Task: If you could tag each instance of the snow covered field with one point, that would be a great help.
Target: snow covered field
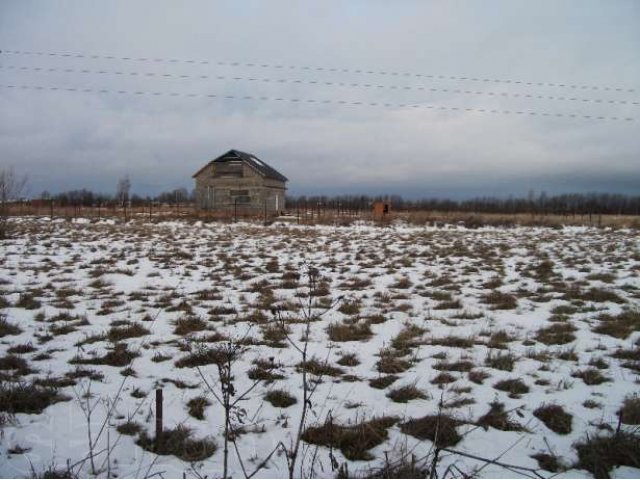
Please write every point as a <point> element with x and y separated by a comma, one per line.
<point>504,344</point>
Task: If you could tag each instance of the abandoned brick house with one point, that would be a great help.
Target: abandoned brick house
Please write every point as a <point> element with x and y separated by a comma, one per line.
<point>240,182</point>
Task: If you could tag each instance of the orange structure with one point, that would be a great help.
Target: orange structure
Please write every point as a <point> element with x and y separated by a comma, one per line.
<point>381,210</point>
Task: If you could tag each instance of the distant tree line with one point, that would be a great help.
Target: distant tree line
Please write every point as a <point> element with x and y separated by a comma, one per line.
<point>534,204</point>
<point>88,198</point>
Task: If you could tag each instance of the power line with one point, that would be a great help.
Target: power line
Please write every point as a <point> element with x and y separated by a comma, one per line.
<point>315,83</point>
<point>321,69</point>
<point>315,101</point>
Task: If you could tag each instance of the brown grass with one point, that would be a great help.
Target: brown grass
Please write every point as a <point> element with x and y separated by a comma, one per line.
<point>499,419</point>
<point>349,332</point>
<point>319,368</point>
<point>556,334</point>
<point>590,376</point>
<point>178,442</point>
<point>117,356</point>
<point>406,393</point>
<point>599,454</point>
<point>382,382</point>
<point>630,411</point>
<point>23,397</point>
<point>354,441</point>
<point>280,398</point>
<point>440,429</point>
<point>555,418</point>
<point>514,386</point>
<point>196,407</point>
<point>619,326</point>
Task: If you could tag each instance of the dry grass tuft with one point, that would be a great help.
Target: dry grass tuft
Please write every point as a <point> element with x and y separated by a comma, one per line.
<point>354,441</point>
<point>500,301</point>
<point>118,356</point>
<point>7,328</point>
<point>25,397</point>
<point>556,334</point>
<point>188,324</point>
<point>440,429</point>
<point>319,368</point>
<point>619,326</point>
<point>280,398</point>
<point>499,419</point>
<point>196,407</point>
<point>178,442</point>
<point>591,376</point>
<point>514,386</point>
<point>599,454</point>
<point>382,382</point>
<point>630,411</point>
<point>128,330</point>
<point>349,332</point>
<point>406,393</point>
<point>555,418</point>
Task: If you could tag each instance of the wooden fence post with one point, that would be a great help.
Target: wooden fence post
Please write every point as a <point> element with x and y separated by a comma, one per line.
<point>158,416</point>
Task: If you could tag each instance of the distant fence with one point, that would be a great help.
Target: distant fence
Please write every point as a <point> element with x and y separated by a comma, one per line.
<point>310,213</point>
<point>301,213</point>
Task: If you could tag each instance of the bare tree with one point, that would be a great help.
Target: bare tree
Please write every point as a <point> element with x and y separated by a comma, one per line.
<point>11,187</point>
<point>122,192</point>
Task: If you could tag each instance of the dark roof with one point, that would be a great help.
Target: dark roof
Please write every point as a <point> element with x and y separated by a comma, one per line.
<point>254,162</point>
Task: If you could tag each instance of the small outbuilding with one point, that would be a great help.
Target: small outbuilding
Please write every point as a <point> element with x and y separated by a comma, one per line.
<point>240,182</point>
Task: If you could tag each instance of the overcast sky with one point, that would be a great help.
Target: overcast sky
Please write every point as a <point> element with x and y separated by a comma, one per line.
<point>582,54</point>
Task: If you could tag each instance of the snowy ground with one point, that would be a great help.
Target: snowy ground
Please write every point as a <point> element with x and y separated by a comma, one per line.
<point>450,311</point>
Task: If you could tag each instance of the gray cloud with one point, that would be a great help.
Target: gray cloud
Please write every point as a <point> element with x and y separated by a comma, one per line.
<point>73,140</point>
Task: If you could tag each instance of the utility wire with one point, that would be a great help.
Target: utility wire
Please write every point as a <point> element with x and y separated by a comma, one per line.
<point>314,101</point>
<point>320,69</point>
<point>313,82</point>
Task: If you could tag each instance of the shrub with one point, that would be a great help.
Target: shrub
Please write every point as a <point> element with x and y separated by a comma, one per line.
<point>555,418</point>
